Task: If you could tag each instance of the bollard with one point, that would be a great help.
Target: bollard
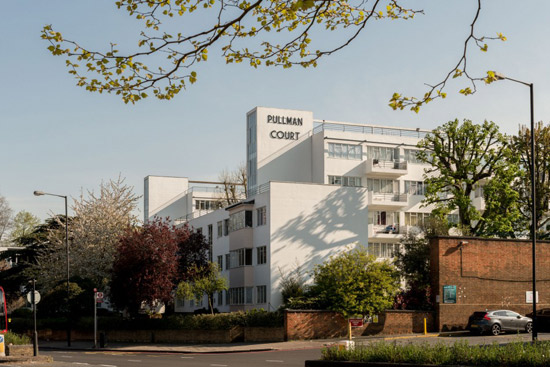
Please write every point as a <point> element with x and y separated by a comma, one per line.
<point>102,340</point>
<point>425,327</point>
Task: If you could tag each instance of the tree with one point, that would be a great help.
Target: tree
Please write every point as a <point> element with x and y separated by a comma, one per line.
<point>24,224</point>
<point>207,282</point>
<point>234,185</point>
<point>242,31</point>
<point>5,216</point>
<point>145,266</point>
<point>354,283</point>
<point>464,157</point>
<point>151,260</point>
<point>522,148</point>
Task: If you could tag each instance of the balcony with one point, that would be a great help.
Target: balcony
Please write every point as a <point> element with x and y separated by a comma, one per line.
<point>381,231</point>
<point>378,200</point>
<point>377,168</point>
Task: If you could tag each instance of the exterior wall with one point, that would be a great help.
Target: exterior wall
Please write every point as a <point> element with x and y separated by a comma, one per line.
<point>283,146</point>
<point>220,246</point>
<point>303,324</point>
<point>311,222</point>
<point>161,194</point>
<point>488,274</point>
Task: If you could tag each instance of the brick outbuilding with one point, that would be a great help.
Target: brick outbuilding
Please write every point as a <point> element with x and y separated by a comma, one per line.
<point>474,274</point>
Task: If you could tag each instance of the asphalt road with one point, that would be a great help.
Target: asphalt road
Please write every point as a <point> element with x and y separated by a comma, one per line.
<point>123,359</point>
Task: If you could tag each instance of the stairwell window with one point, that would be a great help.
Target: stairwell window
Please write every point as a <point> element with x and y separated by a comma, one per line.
<point>261,216</point>
<point>261,253</point>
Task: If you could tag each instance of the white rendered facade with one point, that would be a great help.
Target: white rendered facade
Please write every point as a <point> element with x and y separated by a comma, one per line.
<point>315,189</point>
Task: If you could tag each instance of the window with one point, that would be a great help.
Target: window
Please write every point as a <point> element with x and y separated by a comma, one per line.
<point>479,191</point>
<point>236,296</point>
<point>199,230</point>
<point>344,181</point>
<point>207,205</point>
<point>261,216</point>
<point>220,229</point>
<point>240,220</point>
<point>192,303</point>
<point>249,294</point>
<point>383,250</point>
<point>384,186</point>
<point>180,302</point>
<point>410,156</point>
<point>261,296</point>
<point>453,219</point>
<point>345,151</point>
<point>240,257</point>
<point>225,227</point>
<point>382,153</point>
<point>227,297</point>
<point>227,261</point>
<point>261,253</point>
<point>416,219</point>
<point>241,295</point>
<point>210,235</point>
<point>383,218</point>
<point>415,188</point>
<point>220,298</point>
<point>220,262</point>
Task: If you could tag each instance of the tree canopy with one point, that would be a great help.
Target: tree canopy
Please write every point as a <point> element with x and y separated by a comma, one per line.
<point>100,218</point>
<point>465,157</point>
<point>281,33</point>
<point>207,282</point>
<point>354,283</point>
<point>5,216</point>
<point>151,260</point>
<point>522,148</point>
<point>24,224</point>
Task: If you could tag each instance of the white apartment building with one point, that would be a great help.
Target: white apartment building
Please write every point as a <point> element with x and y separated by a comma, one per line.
<point>315,188</point>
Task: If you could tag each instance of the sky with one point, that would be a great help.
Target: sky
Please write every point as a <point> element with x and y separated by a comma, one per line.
<point>59,138</point>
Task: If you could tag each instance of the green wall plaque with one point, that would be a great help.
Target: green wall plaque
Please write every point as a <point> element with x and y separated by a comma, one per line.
<point>449,294</point>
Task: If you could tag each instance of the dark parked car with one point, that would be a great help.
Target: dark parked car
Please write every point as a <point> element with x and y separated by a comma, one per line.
<point>543,319</point>
<point>498,321</point>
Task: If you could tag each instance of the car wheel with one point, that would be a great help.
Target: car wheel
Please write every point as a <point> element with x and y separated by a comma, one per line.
<point>495,329</point>
<point>529,327</point>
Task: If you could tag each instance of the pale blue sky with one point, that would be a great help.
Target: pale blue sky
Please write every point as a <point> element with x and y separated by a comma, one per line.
<point>59,138</point>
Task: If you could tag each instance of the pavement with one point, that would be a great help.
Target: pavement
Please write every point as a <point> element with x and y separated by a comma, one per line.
<point>449,337</point>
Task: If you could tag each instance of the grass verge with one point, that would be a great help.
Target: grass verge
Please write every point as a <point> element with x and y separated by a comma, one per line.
<point>460,353</point>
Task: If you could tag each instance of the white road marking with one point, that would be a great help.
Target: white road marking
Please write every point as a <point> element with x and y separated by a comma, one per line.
<point>108,365</point>
<point>66,356</point>
<point>81,363</point>
<point>274,360</point>
<point>134,360</point>
<point>218,365</point>
<point>187,357</point>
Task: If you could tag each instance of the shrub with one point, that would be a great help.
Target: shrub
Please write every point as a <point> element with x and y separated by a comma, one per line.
<point>16,339</point>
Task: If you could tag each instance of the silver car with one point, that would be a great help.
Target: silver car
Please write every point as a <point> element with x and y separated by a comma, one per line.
<point>498,321</point>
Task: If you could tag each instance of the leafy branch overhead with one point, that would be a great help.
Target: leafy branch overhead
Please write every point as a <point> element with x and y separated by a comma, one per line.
<point>241,30</point>
<point>460,69</point>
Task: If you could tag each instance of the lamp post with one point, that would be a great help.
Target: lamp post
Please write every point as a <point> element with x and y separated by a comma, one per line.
<point>499,76</point>
<point>40,193</point>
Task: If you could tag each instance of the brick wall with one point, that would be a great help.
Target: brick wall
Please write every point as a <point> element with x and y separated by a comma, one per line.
<point>488,274</point>
<point>305,324</point>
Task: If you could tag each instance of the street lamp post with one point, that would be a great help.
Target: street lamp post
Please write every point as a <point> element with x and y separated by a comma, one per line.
<point>499,76</point>
<point>40,193</point>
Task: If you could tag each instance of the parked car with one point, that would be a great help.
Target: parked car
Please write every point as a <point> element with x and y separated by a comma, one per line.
<point>498,321</point>
<point>543,319</point>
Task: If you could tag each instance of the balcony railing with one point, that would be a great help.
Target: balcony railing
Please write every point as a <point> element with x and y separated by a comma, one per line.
<point>378,196</point>
<point>387,229</point>
<point>389,164</point>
